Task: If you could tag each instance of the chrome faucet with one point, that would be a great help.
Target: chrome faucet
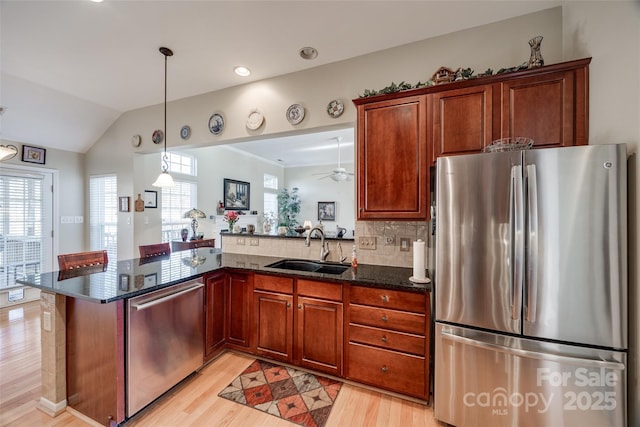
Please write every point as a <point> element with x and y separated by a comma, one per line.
<point>324,246</point>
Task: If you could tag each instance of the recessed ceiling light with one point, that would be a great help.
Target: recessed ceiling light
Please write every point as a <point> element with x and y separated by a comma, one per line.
<point>242,71</point>
<point>308,52</point>
<point>97,1</point>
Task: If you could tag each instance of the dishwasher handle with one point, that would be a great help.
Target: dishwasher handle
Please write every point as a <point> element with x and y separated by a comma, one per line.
<point>165,298</point>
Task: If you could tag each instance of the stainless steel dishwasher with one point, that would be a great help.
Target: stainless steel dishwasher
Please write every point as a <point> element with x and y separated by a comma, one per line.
<point>164,341</point>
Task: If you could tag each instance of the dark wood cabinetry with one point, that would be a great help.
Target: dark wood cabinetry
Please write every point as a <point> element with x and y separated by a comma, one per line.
<point>388,340</point>
<point>273,326</point>
<point>239,292</point>
<point>179,245</point>
<point>393,176</point>
<point>214,314</point>
<point>319,326</point>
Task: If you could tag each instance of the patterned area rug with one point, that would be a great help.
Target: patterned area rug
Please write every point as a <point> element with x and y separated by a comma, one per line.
<point>287,393</point>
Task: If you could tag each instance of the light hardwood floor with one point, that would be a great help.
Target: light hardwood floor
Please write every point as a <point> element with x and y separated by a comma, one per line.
<point>193,403</point>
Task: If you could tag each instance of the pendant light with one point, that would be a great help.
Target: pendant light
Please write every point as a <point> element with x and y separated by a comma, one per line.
<point>7,152</point>
<point>165,180</point>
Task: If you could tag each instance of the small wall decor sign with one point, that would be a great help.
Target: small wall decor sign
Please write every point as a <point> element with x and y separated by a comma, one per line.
<point>33,154</point>
<point>123,204</point>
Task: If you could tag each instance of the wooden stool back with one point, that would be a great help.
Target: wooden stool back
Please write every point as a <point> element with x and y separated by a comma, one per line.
<point>154,250</point>
<point>82,260</point>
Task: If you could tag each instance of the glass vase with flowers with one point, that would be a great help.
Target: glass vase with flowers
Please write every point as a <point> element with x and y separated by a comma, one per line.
<point>231,218</point>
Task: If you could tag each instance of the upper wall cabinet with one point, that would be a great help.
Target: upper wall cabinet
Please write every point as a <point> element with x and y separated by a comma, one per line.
<point>392,159</point>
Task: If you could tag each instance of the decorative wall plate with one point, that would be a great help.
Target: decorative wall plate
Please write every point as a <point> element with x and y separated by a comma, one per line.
<point>216,123</point>
<point>185,132</point>
<point>157,136</point>
<point>255,119</point>
<point>295,114</point>
<point>136,140</point>
<point>335,108</point>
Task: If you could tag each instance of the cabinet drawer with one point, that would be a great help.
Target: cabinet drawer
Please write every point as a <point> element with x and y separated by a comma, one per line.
<point>399,372</point>
<point>408,301</point>
<point>385,338</point>
<point>387,319</point>
<point>273,283</point>
<point>323,290</point>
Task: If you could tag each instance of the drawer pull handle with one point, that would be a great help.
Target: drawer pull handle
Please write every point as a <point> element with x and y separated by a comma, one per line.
<point>384,369</point>
<point>384,318</point>
<point>385,298</point>
<point>384,339</point>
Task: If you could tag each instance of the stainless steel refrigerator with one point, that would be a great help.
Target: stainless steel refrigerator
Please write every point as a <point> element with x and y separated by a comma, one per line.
<point>531,288</point>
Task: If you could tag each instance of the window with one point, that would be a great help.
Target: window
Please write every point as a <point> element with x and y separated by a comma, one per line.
<point>179,163</point>
<point>21,226</point>
<point>103,214</point>
<point>175,202</point>
<point>270,204</point>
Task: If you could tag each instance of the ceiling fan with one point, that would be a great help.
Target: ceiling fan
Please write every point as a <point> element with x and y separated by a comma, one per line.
<point>339,173</point>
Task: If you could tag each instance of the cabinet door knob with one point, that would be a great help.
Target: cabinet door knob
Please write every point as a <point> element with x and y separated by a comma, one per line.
<point>384,369</point>
<point>384,339</point>
<point>384,318</point>
<point>385,298</point>
<point>288,304</point>
<point>299,306</point>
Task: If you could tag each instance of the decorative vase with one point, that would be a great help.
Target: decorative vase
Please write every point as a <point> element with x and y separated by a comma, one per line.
<point>536,59</point>
<point>237,228</point>
<point>282,230</point>
<point>251,228</point>
<point>266,228</point>
<point>184,233</point>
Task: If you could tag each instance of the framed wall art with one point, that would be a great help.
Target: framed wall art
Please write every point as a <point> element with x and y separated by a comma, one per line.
<point>327,211</point>
<point>236,195</point>
<point>150,199</point>
<point>123,204</point>
<point>33,154</point>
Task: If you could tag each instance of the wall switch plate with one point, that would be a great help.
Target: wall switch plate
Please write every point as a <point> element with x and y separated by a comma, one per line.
<point>240,241</point>
<point>367,242</point>
<point>79,219</point>
<point>390,240</point>
<point>405,244</point>
<point>254,242</point>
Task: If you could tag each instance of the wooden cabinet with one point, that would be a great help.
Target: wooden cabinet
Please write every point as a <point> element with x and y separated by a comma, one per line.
<point>300,324</point>
<point>214,314</point>
<point>462,120</point>
<point>273,325</point>
<point>319,326</point>
<point>551,108</point>
<point>239,290</point>
<point>388,340</point>
<point>179,245</point>
<point>393,175</point>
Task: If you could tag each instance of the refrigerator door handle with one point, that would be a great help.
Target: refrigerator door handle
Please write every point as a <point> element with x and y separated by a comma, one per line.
<point>516,245</point>
<point>532,236</point>
<point>592,363</point>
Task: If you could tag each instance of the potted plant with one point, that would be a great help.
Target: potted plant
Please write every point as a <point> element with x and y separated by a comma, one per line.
<point>288,208</point>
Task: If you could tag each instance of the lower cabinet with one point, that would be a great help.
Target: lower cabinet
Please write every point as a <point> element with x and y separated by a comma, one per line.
<point>388,340</point>
<point>214,314</point>
<point>299,324</point>
<point>238,297</point>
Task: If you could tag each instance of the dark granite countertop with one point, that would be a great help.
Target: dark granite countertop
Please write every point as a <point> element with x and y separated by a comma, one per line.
<point>130,278</point>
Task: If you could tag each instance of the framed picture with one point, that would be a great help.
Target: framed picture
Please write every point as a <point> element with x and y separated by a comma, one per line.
<point>150,199</point>
<point>236,195</point>
<point>33,154</point>
<point>150,280</point>
<point>123,282</point>
<point>327,211</point>
<point>123,204</point>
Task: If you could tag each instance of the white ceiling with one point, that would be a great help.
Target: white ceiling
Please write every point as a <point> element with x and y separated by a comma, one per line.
<point>69,68</point>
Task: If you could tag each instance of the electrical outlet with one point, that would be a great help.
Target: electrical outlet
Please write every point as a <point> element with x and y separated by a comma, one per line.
<point>390,240</point>
<point>254,242</point>
<point>367,242</point>
<point>404,244</point>
<point>240,241</point>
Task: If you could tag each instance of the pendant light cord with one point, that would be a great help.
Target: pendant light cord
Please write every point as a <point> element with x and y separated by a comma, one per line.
<point>165,159</point>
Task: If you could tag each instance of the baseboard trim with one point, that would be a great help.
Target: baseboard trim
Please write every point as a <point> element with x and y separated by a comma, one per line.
<point>50,408</point>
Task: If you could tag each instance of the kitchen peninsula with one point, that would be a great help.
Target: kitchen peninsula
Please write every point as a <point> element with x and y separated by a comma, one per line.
<point>361,302</point>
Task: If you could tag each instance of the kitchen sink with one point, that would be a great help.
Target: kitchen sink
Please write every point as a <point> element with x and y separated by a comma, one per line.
<point>311,266</point>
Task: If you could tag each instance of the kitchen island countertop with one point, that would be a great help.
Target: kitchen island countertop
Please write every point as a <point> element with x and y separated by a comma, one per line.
<point>130,278</point>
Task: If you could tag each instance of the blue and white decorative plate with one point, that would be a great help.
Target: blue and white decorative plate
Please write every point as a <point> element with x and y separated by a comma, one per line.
<point>216,123</point>
<point>295,114</point>
<point>157,137</point>
<point>185,132</point>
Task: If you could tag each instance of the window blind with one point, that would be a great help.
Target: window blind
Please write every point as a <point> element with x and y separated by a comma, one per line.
<point>103,214</point>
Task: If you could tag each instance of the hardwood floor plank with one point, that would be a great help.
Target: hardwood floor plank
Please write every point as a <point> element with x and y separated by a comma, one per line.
<point>195,402</point>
